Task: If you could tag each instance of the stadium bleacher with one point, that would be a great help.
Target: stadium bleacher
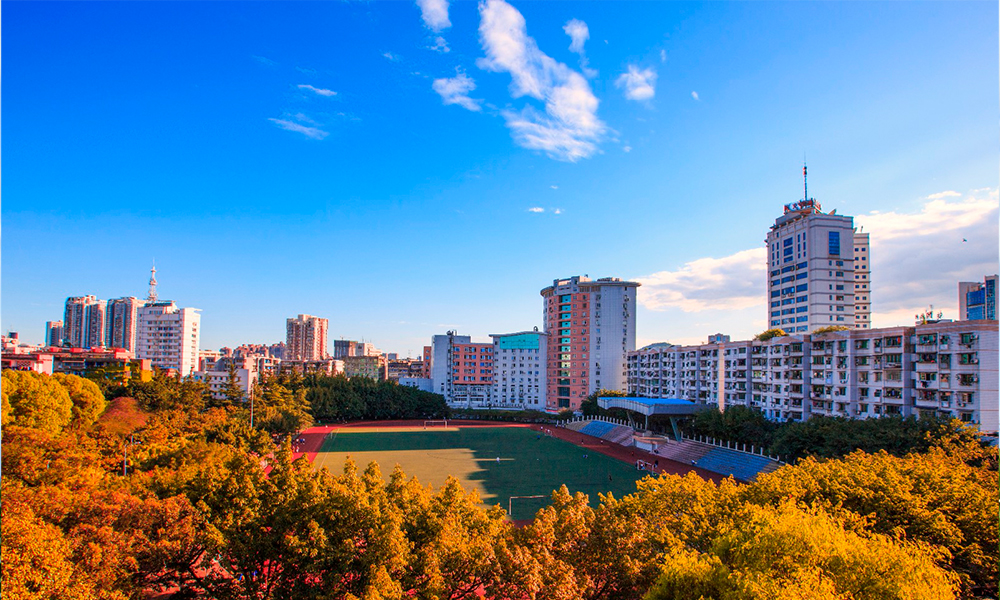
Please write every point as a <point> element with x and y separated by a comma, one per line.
<point>741,465</point>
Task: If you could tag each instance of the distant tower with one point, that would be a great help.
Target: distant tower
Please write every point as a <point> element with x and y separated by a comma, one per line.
<point>152,286</point>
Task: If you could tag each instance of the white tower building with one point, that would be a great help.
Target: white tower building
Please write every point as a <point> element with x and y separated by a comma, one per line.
<point>169,336</point>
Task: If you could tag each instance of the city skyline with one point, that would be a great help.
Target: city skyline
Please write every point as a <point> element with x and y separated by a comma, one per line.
<point>415,203</point>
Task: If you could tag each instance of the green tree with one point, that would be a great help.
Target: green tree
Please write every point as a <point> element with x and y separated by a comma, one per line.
<point>232,393</point>
<point>281,410</point>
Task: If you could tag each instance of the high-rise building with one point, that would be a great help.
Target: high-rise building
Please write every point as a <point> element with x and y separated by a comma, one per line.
<point>978,300</point>
<point>862,281</point>
<point>53,333</point>
<point>590,327</point>
<point>306,338</point>
<point>519,369</point>
<point>816,273</point>
<point>121,320</point>
<point>462,371</point>
<point>169,336</point>
<point>83,322</point>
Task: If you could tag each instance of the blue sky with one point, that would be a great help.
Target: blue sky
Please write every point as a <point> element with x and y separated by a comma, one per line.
<point>404,169</point>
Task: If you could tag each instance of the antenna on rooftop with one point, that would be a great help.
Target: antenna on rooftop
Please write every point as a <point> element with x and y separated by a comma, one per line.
<point>805,181</point>
<point>152,284</point>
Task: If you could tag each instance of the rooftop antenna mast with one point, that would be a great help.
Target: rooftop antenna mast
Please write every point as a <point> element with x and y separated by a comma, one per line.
<point>805,181</point>
<point>152,285</point>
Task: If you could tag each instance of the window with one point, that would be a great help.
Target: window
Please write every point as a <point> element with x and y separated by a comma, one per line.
<point>834,240</point>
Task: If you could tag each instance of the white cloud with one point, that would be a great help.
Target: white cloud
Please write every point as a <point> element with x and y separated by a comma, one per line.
<point>391,56</point>
<point>440,45</point>
<point>316,90</point>
<point>455,90</point>
<point>435,14</point>
<point>627,148</point>
<point>946,194</point>
<point>663,56</point>
<point>732,282</point>
<point>555,187</point>
<point>695,95</point>
<point>579,34</point>
<point>557,211</point>
<point>569,129</point>
<point>638,84</point>
<point>536,209</point>
<point>918,258</point>
<point>311,132</point>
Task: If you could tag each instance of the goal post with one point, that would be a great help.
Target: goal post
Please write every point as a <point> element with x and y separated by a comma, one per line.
<point>436,423</point>
<point>644,465</point>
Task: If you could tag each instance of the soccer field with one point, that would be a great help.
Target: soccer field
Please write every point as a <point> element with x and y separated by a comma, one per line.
<point>529,463</point>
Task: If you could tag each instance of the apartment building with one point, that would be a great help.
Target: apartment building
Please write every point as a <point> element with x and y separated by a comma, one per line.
<point>169,336</point>
<point>372,367</point>
<point>519,370</point>
<point>216,375</point>
<point>53,333</point>
<point>978,300</point>
<point>818,270</point>
<point>121,322</point>
<point>306,338</point>
<point>83,321</point>
<point>462,371</point>
<point>944,368</point>
<point>591,328</point>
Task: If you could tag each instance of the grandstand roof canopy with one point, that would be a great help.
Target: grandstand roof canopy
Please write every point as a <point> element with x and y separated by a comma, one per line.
<point>673,407</point>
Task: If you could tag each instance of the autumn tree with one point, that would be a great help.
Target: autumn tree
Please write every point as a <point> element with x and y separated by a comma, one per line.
<point>36,400</point>
<point>88,400</point>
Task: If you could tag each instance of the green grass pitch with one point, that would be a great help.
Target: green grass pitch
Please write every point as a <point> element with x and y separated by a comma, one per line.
<point>529,464</point>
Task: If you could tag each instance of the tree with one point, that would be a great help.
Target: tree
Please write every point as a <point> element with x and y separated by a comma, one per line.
<point>36,400</point>
<point>232,392</point>
<point>88,400</point>
<point>829,329</point>
<point>932,498</point>
<point>590,406</point>
<point>280,410</point>
<point>785,552</point>
<point>770,333</point>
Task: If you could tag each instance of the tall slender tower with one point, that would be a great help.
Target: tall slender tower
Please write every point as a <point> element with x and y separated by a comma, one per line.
<point>152,286</point>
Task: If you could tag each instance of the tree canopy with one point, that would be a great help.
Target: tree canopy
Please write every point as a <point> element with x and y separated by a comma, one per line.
<point>211,507</point>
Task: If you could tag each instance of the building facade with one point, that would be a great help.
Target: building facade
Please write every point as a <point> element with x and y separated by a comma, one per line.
<point>372,367</point>
<point>817,268</point>
<point>519,370</point>
<point>121,322</point>
<point>53,333</point>
<point>83,322</point>
<point>978,300</point>
<point>591,327</point>
<point>306,338</point>
<point>462,371</point>
<point>169,336</point>
<point>943,368</point>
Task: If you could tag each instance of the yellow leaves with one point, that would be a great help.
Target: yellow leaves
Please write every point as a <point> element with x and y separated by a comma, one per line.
<point>36,401</point>
<point>784,552</point>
